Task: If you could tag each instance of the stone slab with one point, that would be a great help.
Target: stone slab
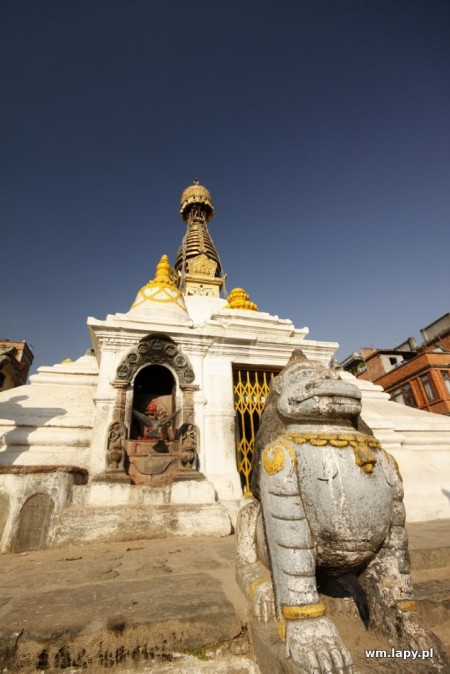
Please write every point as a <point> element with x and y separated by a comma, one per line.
<point>79,524</point>
<point>110,604</point>
<point>194,598</point>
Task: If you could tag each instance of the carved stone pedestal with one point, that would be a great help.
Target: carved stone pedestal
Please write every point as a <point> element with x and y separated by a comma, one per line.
<point>188,475</point>
<point>117,475</point>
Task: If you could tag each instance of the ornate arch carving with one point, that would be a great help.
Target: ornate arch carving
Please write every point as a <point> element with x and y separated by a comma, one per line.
<point>156,349</point>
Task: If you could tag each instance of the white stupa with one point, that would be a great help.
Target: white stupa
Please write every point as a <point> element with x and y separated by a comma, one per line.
<point>73,453</point>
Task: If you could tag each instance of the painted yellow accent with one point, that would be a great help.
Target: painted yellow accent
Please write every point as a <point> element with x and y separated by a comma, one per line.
<point>163,295</point>
<point>274,456</point>
<point>66,361</point>
<point>239,299</point>
<point>254,585</point>
<point>251,388</point>
<point>362,445</point>
<point>407,605</point>
<point>281,627</point>
<point>303,612</point>
<point>273,459</point>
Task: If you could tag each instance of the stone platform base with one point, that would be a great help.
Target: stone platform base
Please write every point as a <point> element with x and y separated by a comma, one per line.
<point>53,506</point>
<point>86,524</point>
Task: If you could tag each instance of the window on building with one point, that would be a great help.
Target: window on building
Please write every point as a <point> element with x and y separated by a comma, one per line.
<point>428,387</point>
<point>445,374</point>
<point>404,395</point>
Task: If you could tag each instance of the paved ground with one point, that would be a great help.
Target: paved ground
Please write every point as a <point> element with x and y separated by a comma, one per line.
<point>135,604</point>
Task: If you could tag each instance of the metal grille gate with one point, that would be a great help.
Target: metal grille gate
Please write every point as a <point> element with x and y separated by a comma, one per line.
<point>251,387</point>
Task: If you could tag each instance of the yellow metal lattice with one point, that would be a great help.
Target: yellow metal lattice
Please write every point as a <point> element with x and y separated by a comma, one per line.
<point>251,388</point>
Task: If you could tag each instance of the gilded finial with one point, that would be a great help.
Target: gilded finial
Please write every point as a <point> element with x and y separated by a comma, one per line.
<point>196,195</point>
<point>164,275</point>
<point>239,299</point>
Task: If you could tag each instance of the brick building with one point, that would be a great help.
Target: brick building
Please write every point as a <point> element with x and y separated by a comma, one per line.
<point>418,376</point>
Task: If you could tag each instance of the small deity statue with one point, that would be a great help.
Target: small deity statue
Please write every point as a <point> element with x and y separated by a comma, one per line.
<point>154,422</point>
<point>331,501</point>
<point>115,452</point>
<point>187,436</point>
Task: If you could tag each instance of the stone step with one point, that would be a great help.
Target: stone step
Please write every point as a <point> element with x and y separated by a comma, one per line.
<point>430,564</point>
<point>87,524</point>
<point>119,606</point>
<point>433,599</point>
<point>190,664</point>
<point>443,632</point>
<point>430,558</point>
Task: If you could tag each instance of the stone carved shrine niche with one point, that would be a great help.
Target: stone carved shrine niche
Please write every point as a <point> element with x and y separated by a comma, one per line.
<point>154,397</point>
<point>163,440</point>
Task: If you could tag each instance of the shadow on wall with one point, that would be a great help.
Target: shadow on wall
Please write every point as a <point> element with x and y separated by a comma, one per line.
<point>15,441</point>
<point>446,493</point>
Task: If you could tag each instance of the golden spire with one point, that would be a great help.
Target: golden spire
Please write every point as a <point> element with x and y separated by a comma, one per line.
<point>197,261</point>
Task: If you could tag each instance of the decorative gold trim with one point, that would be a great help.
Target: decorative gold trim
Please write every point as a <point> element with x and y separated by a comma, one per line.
<point>203,265</point>
<point>407,605</point>
<point>274,457</point>
<point>303,612</point>
<point>334,439</point>
<point>362,445</point>
<point>163,295</point>
<point>281,627</point>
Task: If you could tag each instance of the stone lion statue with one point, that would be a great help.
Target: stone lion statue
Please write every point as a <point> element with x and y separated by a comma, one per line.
<point>328,503</point>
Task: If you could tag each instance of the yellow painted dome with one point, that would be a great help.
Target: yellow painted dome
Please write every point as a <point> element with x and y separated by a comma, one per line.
<point>161,293</point>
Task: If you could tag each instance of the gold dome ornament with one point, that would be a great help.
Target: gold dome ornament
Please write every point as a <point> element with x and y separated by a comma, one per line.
<point>198,195</point>
<point>239,299</point>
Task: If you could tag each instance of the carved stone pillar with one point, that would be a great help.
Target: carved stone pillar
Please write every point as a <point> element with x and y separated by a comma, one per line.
<point>188,402</point>
<point>119,405</point>
<point>116,438</point>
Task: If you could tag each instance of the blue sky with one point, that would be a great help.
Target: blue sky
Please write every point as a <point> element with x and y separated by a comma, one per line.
<point>321,128</point>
